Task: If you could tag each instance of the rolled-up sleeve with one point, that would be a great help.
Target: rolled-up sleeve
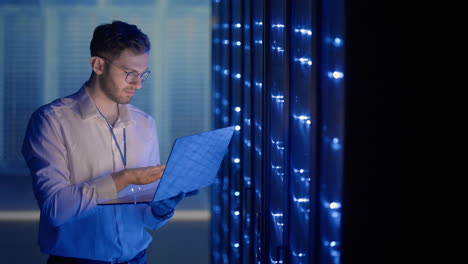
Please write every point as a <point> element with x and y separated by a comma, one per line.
<point>46,156</point>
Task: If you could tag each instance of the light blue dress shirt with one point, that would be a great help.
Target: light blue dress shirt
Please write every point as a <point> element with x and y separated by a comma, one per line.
<point>71,154</point>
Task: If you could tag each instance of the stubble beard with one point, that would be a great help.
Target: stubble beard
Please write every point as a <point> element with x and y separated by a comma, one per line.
<point>112,94</point>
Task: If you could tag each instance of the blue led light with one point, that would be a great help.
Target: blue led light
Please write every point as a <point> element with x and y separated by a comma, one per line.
<point>336,75</point>
<point>258,150</point>
<point>258,125</point>
<point>277,26</point>
<point>301,117</point>
<point>304,179</point>
<point>277,217</point>
<point>279,49</point>
<point>337,42</point>
<point>334,205</point>
<point>278,98</point>
<point>304,61</point>
<point>301,200</point>
<point>335,144</point>
<point>303,31</point>
<point>299,170</point>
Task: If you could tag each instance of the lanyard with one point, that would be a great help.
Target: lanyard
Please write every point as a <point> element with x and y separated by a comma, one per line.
<point>123,155</point>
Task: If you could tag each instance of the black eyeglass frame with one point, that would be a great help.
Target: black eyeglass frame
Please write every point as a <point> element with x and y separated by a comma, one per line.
<point>133,75</point>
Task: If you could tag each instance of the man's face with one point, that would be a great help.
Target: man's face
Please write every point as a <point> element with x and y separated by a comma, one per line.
<point>113,81</point>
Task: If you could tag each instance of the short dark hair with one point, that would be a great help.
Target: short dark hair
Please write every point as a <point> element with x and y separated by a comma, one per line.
<point>111,39</point>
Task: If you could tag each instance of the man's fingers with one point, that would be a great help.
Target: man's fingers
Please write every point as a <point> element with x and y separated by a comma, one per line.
<point>157,171</point>
<point>158,168</point>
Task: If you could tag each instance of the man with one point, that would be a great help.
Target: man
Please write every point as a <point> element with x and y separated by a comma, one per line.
<point>87,147</point>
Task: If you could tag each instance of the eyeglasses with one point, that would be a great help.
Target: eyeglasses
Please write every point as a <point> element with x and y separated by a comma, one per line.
<point>131,76</point>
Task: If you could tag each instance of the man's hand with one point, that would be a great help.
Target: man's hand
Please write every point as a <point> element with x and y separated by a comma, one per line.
<point>164,207</point>
<point>138,176</point>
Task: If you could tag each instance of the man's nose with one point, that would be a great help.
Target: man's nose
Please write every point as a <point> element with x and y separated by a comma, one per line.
<point>137,83</point>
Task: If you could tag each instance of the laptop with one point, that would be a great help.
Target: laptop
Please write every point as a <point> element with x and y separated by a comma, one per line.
<point>193,164</point>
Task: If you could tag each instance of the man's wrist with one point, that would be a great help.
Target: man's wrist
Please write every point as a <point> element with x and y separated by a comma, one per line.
<point>120,180</point>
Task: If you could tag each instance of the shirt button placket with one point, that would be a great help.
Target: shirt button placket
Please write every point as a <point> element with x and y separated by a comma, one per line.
<point>117,167</point>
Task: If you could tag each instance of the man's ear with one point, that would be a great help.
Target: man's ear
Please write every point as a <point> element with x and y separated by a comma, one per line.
<point>97,64</point>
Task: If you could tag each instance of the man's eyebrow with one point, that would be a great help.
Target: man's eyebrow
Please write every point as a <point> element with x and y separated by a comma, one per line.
<point>133,70</point>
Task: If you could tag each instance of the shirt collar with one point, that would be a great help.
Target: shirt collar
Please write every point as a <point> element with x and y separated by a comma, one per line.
<point>125,118</point>
<point>89,110</point>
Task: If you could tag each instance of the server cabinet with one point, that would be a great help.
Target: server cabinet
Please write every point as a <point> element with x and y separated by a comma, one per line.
<point>278,75</point>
